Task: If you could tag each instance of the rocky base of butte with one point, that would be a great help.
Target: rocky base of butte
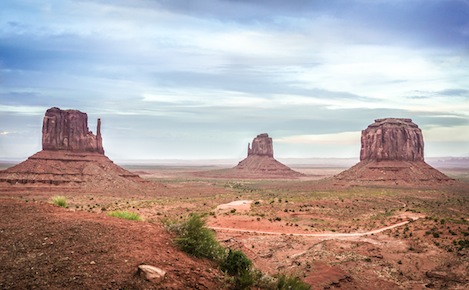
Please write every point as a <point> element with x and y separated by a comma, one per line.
<point>392,154</point>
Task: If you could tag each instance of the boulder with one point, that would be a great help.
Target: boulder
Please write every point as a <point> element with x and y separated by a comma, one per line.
<point>68,130</point>
<point>392,139</point>
<point>151,273</point>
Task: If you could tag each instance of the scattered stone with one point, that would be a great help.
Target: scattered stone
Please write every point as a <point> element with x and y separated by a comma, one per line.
<point>151,273</point>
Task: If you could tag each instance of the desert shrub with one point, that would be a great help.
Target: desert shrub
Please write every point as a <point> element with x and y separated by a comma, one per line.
<point>197,240</point>
<point>235,263</point>
<point>244,281</point>
<point>125,215</point>
<point>285,282</point>
<point>60,201</point>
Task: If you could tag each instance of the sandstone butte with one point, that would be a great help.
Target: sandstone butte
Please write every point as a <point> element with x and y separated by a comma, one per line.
<point>71,155</point>
<point>392,154</point>
<point>260,162</point>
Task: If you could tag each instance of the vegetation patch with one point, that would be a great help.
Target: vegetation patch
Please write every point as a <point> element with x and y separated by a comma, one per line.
<point>60,201</point>
<point>125,215</point>
<point>286,282</point>
<point>197,240</point>
<point>194,238</point>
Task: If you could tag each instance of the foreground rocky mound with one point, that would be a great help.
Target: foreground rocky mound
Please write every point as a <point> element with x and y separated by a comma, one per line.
<point>46,247</point>
<point>260,163</point>
<point>71,156</point>
<point>392,153</point>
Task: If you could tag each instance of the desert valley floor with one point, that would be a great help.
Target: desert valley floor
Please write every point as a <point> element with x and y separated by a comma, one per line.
<point>330,235</point>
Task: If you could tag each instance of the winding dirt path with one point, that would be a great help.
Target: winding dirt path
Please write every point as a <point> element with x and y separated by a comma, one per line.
<point>322,235</point>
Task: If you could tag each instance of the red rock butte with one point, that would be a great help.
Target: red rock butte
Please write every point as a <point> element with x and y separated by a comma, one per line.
<point>71,156</point>
<point>392,154</point>
<point>68,130</point>
<point>260,162</point>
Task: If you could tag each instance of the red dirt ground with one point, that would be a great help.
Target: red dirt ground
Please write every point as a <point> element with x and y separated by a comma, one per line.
<point>46,247</point>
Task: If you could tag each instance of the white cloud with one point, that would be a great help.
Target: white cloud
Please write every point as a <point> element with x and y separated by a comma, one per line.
<point>447,134</point>
<point>334,138</point>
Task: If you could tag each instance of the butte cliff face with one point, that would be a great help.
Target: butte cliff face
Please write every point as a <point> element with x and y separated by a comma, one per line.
<point>392,153</point>
<point>68,130</point>
<point>262,145</point>
<point>392,139</point>
<point>71,156</point>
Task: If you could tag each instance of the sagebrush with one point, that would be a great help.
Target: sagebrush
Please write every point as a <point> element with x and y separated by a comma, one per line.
<point>60,201</point>
<point>197,240</point>
<point>125,215</point>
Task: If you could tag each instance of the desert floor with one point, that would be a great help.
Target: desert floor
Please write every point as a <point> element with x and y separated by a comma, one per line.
<point>381,237</point>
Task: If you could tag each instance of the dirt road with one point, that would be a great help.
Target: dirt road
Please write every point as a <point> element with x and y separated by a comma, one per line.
<point>322,235</point>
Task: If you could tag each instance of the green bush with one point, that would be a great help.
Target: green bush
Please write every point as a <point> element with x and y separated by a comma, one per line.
<point>236,263</point>
<point>244,281</point>
<point>197,240</point>
<point>285,282</point>
<point>194,238</point>
<point>60,201</point>
<point>125,215</point>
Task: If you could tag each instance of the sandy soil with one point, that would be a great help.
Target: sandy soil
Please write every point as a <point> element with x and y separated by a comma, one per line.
<point>331,236</point>
<point>46,247</point>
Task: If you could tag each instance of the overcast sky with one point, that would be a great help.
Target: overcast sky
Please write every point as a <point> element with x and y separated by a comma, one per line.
<point>200,79</point>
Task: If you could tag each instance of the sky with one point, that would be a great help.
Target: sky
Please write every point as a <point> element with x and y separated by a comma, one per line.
<point>200,79</point>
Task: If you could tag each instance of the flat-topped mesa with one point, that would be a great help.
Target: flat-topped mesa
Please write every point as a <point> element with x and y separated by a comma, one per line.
<point>68,130</point>
<point>261,146</point>
<point>393,139</point>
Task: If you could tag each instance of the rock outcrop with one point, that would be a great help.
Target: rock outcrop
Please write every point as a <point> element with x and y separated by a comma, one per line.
<point>392,139</point>
<point>68,130</point>
<point>392,154</point>
<point>259,164</point>
<point>72,156</point>
<point>261,146</point>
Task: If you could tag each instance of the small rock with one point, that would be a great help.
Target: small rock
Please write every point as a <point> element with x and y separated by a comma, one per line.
<point>92,263</point>
<point>151,273</point>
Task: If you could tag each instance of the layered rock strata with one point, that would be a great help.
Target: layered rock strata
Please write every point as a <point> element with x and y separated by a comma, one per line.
<point>392,153</point>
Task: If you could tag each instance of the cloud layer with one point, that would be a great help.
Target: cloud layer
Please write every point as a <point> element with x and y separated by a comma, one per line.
<point>199,79</point>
